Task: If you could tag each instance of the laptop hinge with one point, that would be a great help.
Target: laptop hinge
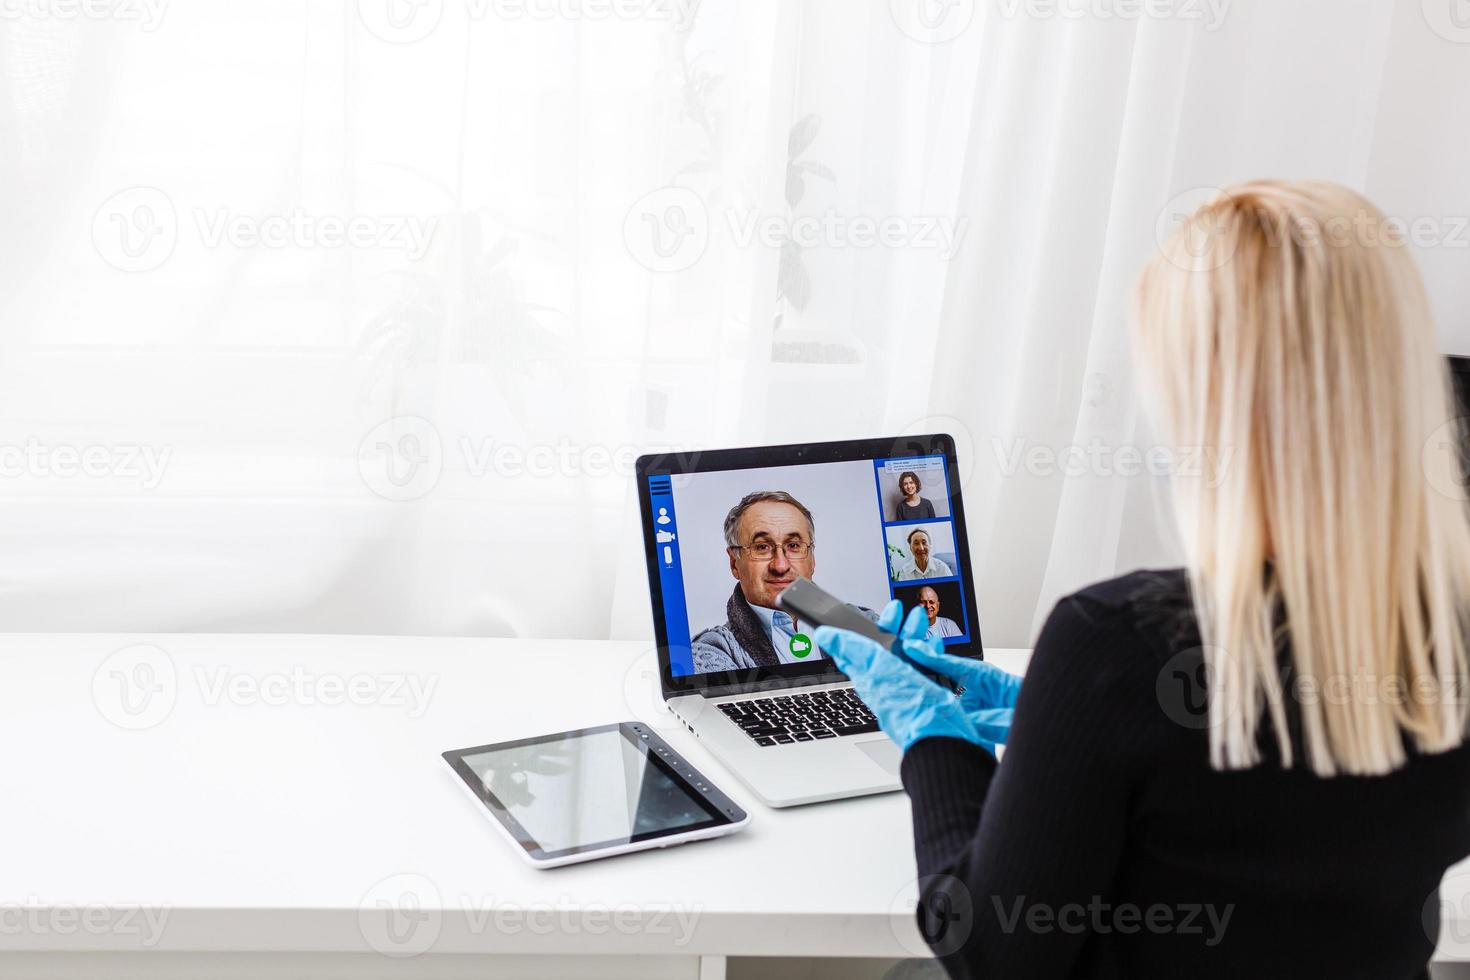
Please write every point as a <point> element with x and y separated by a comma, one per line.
<point>770,684</point>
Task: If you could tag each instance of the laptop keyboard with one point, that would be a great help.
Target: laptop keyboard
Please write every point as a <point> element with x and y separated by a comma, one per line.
<point>789,718</point>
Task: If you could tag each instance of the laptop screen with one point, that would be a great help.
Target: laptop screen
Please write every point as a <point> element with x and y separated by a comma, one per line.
<point>727,541</point>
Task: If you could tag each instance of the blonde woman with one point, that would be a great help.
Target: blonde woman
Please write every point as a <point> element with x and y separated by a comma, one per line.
<point>1254,765</point>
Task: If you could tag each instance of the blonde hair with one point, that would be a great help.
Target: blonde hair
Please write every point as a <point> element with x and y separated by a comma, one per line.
<point>1285,325</point>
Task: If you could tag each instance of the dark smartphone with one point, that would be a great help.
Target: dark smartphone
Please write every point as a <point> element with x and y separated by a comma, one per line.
<point>810,603</point>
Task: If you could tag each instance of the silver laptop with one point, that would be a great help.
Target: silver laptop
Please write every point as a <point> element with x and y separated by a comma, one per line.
<point>726,530</point>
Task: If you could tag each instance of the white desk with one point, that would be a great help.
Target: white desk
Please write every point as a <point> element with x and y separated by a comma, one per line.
<point>251,830</point>
<point>233,811</point>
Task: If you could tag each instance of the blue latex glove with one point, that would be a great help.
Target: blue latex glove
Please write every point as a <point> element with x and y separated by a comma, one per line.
<point>986,693</point>
<point>909,706</point>
<point>984,687</point>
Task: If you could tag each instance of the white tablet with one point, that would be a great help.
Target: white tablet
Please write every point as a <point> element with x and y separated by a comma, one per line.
<point>593,793</point>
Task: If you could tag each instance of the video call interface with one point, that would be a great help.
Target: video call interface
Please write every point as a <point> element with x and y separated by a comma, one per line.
<point>867,531</point>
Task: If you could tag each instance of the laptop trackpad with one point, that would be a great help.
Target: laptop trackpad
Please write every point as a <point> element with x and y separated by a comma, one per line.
<point>883,752</point>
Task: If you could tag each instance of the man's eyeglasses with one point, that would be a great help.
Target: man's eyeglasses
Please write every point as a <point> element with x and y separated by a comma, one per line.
<point>766,550</point>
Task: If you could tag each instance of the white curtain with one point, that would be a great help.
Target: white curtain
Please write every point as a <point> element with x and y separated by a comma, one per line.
<point>350,317</point>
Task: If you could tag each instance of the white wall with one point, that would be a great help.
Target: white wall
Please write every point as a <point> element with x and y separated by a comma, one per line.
<point>1402,136</point>
<point>1420,164</point>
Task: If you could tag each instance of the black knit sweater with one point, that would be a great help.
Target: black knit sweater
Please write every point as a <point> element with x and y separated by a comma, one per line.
<point>1105,845</point>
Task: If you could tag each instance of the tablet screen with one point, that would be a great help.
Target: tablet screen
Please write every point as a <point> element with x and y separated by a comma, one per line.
<point>591,788</point>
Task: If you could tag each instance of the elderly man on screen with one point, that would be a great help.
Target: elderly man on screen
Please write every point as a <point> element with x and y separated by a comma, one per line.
<point>770,539</point>
<point>923,564</point>
<point>940,626</point>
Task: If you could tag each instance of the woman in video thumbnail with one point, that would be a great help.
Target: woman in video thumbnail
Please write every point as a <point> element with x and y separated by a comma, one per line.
<point>921,562</point>
<point>910,506</point>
